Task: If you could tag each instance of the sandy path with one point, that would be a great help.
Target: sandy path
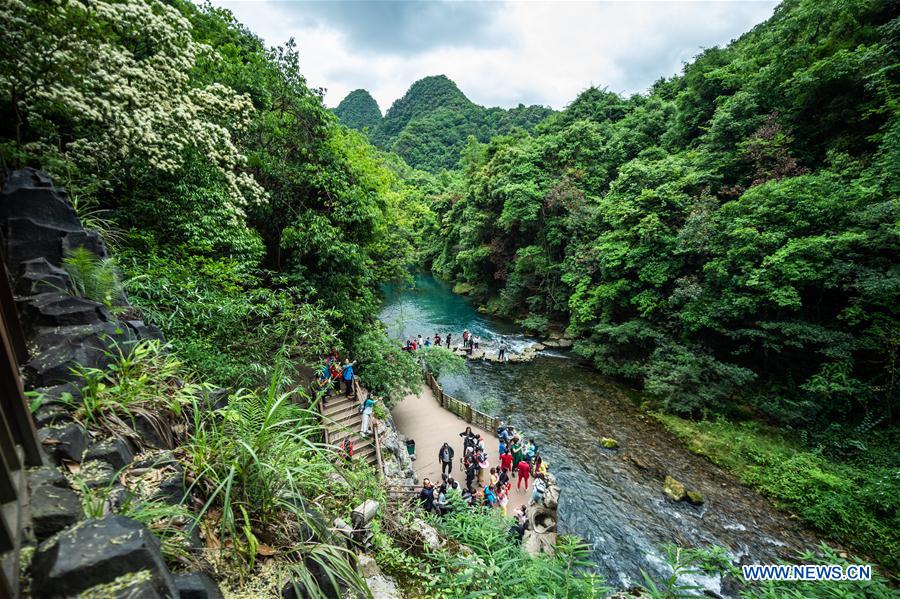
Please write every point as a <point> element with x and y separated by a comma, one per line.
<point>421,417</point>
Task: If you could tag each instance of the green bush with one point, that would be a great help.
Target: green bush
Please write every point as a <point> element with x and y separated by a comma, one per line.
<point>441,361</point>
<point>384,368</point>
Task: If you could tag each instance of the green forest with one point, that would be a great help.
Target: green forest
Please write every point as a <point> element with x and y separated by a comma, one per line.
<point>726,243</point>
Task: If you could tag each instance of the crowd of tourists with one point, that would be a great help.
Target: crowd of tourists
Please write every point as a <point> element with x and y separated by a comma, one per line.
<point>482,484</point>
<point>334,372</point>
<point>470,342</point>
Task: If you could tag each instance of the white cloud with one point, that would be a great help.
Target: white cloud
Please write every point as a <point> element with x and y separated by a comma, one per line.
<point>530,52</point>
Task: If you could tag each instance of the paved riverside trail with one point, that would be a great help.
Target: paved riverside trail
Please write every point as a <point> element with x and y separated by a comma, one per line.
<point>422,418</point>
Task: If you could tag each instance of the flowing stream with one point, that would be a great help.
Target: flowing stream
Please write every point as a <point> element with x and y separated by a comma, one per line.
<point>611,498</point>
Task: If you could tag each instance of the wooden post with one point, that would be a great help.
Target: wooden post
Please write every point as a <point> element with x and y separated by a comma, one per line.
<point>468,413</point>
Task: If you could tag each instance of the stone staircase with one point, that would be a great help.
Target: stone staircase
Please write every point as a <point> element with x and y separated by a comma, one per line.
<point>342,419</point>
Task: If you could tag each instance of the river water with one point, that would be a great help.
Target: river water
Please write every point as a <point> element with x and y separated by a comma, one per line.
<point>611,498</point>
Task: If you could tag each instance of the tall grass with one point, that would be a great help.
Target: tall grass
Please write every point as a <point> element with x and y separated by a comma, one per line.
<point>143,379</point>
<point>255,463</point>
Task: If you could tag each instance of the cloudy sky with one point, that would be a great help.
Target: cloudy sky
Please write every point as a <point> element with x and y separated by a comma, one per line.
<point>500,53</point>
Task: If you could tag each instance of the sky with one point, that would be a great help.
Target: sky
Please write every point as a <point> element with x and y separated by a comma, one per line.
<point>500,53</point>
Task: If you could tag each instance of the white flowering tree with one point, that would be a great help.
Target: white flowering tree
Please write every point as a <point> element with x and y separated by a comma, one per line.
<point>99,92</point>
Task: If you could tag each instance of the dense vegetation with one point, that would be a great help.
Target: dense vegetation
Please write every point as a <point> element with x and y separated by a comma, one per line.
<point>727,240</point>
<point>359,110</point>
<point>430,125</point>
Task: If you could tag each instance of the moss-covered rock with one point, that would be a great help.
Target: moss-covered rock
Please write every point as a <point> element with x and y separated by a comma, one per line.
<point>695,497</point>
<point>673,489</point>
<point>609,443</point>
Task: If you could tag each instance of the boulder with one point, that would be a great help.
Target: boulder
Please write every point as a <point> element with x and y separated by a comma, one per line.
<point>39,276</point>
<point>172,489</point>
<point>142,330</point>
<point>609,443</point>
<point>53,508</point>
<point>427,535</point>
<point>64,442</point>
<point>695,497</point>
<point>47,475</point>
<point>673,489</point>
<point>96,474</point>
<point>381,586</point>
<point>114,452</point>
<point>51,413</point>
<point>59,309</point>
<point>95,552</point>
<point>130,586</point>
<point>197,585</point>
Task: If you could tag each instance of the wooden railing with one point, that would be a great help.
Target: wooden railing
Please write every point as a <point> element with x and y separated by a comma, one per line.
<point>19,446</point>
<point>461,408</point>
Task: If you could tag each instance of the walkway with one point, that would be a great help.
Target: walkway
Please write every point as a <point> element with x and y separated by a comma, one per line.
<point>421,417</point>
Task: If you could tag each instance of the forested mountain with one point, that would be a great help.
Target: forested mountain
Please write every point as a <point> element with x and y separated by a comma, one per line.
<point>359,110</point>
<point>728,240</point>
<point>430,125</point>
<point>733,229</point>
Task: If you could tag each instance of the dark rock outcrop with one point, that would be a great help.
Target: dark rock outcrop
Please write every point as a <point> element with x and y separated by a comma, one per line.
<point>197,585</point>
<point>52,509</point>
<point>114,452</point>
<point>95,552</point>
<point>65,442</point>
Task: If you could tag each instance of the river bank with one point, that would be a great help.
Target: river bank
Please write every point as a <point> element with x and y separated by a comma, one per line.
<point>613,497</point>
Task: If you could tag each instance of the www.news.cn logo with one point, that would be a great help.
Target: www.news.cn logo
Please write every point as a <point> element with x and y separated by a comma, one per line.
<point>806,572</point>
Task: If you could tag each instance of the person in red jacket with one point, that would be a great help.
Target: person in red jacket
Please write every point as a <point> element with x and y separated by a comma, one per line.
<point>506,461</point>
<point>524,473</point>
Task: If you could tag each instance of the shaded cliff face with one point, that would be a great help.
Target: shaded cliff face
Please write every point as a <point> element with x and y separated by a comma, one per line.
<point>359,110</point>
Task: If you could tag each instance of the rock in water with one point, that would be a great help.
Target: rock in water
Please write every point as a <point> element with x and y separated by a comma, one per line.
<point>609,443</point>
<point>98,551</point>
<point>673,489</point>
<point>695,497</point>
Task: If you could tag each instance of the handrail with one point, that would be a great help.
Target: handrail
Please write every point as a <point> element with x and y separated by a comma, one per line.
<point>460,408</point>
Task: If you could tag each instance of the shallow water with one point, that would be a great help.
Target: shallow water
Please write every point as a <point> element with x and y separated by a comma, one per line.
<point>611,498</point>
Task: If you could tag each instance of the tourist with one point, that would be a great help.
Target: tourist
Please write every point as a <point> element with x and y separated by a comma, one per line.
<point>489,498</point>
<point>524,470</point>
<point>501,351</point>
<point>479,443</point>
<point>494,476</point>
<point>503,477</point>
<point>471,472</point>
<point>445,456</point>
<point>468,437</point>
<point>367,407</point>
<point>427,341</point>
<point>518,529</point>
<point>426,495</point>
<point>518,456</point>
<point>442,504</point>
<point>465,338</point>
<point>437,339</point>
<point>347,375</point>
<point>448,341</point>
<point>501,448</point>
<point>347,448</point>
<point>540,466</point>
<point>467,495</point>
<point>453,486</point>
<point>540,487</point>
<point>408,346</point>
<point>419,342</point>
<point>506,462</point>
<point>477,340</point>
<point>483,465</point>
<point>502,492</point>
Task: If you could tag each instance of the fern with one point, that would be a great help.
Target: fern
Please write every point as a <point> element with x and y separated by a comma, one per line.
<point>92,277</point>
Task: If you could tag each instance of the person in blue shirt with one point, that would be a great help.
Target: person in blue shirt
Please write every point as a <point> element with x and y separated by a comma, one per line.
<point>427,341</point>
<point>347,375</point>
